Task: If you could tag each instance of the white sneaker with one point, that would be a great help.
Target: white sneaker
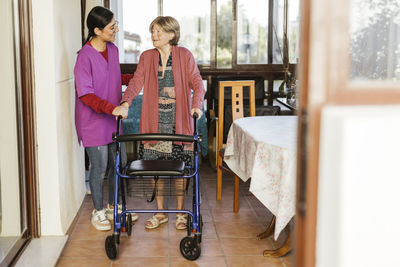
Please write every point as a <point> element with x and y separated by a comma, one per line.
<point>99,220</point>
<point>110,213</point>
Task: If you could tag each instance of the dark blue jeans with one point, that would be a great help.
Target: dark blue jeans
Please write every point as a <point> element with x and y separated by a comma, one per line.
<point>99,157</point>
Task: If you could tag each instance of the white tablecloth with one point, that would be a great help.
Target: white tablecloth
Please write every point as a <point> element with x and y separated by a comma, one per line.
<point>264,148</point>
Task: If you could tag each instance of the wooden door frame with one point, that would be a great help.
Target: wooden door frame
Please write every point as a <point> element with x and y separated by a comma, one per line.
<point>337,89</point>
<point>305,234</point>
<point>27,103</point>
<point>24,75</point>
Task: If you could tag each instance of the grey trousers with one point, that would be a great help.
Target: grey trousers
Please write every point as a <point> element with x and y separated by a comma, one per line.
<point>100,157</point>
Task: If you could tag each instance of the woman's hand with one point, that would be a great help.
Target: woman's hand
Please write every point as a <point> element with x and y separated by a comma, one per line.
<point>121,110</point>
<point>196,110</point>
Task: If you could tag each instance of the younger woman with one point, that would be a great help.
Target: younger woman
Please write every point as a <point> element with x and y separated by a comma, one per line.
<point>98,92</point>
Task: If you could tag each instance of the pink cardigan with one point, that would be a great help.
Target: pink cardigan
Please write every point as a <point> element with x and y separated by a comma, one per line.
<point>186,77</point>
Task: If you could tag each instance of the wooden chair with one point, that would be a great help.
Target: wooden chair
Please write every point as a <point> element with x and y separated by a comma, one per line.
<point>237,112</point>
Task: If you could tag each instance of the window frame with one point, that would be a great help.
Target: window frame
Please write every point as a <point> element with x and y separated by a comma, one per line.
<point>270,71</point>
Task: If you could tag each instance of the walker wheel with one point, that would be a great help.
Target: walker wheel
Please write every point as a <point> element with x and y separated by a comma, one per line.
<point>117,237</point>
<point>189,225</point>
<point>201,224</point>
<point>200,228</point>
<point>111,247</point>
<point>128,221</point>
<point>190,248</point>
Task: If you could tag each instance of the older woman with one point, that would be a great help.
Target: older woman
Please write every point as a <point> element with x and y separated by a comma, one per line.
<point>167,74</point>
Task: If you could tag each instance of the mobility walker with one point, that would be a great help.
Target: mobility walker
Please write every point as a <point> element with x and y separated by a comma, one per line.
<point>157,177</point>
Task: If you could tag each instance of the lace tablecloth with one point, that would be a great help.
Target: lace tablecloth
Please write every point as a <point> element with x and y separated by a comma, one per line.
<point>264,148</point>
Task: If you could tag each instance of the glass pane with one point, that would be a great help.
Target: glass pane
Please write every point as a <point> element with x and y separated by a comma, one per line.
<point>277,84</point>
<point>12,209</point>
<point>293,30</point>
<point>224,33</point>
<point>194,19</point>
<point>375,40</point>
<point>277,44</point>
<point>252,32</point>
<point>134,18</point>
<point>266,93</point>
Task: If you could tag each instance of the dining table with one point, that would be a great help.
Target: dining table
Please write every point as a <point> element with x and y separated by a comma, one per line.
<point>263,148</point>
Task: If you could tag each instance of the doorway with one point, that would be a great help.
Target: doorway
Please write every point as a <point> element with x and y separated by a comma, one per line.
<point>18,213</point>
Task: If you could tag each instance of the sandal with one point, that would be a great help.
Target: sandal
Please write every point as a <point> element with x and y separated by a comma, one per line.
<point>110,213</point>
<point>156,221</point>
<point>135,217</point>
<point>181,221</point>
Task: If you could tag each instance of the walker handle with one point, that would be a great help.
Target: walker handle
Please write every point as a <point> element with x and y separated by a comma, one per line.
<point>118,126</point>
<point>195,116</point>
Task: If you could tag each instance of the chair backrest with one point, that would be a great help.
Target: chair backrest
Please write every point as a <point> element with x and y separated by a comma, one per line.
<point>237,104</point>
<point>259,89</point>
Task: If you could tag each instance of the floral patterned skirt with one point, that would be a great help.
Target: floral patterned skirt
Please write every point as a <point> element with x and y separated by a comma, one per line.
<point>166,149</point>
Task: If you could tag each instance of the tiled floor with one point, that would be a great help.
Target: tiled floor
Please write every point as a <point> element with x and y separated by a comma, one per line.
<point>228,238</point>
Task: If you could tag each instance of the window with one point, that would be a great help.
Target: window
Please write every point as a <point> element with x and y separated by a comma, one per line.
<point>292,25</point>
<point>229,38</point>
<point>133,35</point>
<point>224,33</point>
<point>194,19</point>
<point>294,30</point>
<point>250,33</point>
<point>375,40</point>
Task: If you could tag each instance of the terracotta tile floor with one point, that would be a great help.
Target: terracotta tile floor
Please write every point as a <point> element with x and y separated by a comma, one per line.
<point>228,238</point>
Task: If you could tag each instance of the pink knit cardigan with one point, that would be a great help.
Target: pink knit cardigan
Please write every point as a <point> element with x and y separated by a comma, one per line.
<point>186,78</point>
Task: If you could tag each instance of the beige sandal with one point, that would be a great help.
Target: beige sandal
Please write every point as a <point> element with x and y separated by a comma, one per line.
<point>135,217</point>
<point>156,221</point>
<point>181,221</point>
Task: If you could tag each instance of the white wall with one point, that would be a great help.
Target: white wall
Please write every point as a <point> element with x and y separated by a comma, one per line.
<point>57,38</point>
<point>9,174</point>
<point>116,8</point>
<point>359,185</point>
<point>89,5</point>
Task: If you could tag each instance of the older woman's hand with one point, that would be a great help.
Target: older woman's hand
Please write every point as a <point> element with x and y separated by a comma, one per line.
<point>122,111</point>
<point>196,110</point>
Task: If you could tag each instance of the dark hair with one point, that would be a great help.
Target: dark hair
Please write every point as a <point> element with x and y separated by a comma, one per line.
<point>98,17</point>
